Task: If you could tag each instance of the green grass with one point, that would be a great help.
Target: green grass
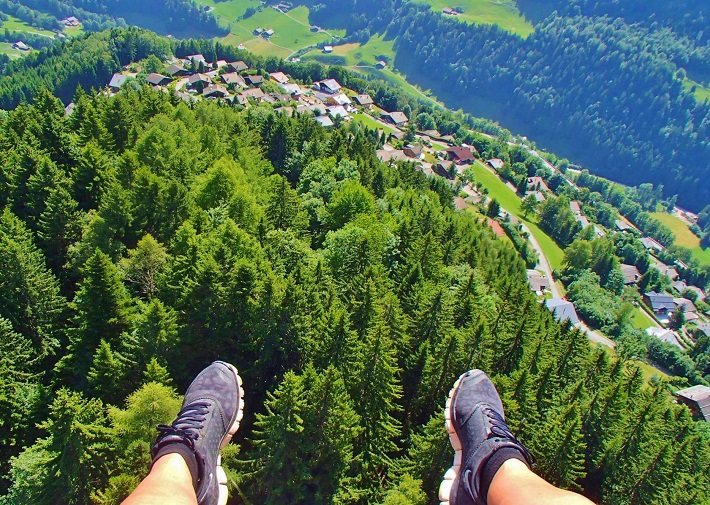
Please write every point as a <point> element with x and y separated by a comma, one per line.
<point>291,30</point>
<point>503,13</point>
<point>701,92</point>
<point>683,236</point>
<point>73,31</point>
<point>368,121</point>
<point>510,202</point>
<point>641,320</point>
<point>356,53</point>
<point>15,25</point>
<point>6,48</point>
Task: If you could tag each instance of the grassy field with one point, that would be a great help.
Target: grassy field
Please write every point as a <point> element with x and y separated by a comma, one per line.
<point>358,54</point>
<point>368,121</point>
<point>510,202</point>
<point>701,92</point>
<point>684,237</point>
<point>15,25</point>
<point>641,320</point>
<point>503,13</point>
<point>291,30</point>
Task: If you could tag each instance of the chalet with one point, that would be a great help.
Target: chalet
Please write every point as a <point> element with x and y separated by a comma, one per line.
<point>198,81</point>
<point>70,21</point>
<point>338,110</point>
<point>631,274</point>
<point>267,33</point>
<point>397,118</point>
<point>537,281</point>
<point>659,303</point>
<point>496,227</point>
<point>698,291</point>
<point>20,46</point>
<point>671,272</point>
<point>339,99</point>
<point>280,97</point>
<point>176,70</point>
<point>254,93</point>
<point>156,79</point>
<point>391,155</point>
<point>196,59</point>
<point>432,133</point>
<point>315,28</point>
<point>537,184</point>
<point>496,164</point>
<point>697,399</point>
<point>238,66</point>
<point>575,207</point>
<point>324,121</point>
<point>327,49</point>
<point>241,100</point>
<point>279,77</point>
<point>652,245</point>
<point>562,309</point>
<point>116,82</point>
<point>414,151</point>
<point>448,11</point>
<point>664,335</point>
<point>442,169</point>
<point>214,91</point>
<point>258,31</point>
<point>233,79</point>
<point>679,286</point>
<point>622,225</point>
<point>460,154</point>
<point>686,306</point>
<point>292,89</point>
<point>460,203</point>
<point>380,64</point>
<point>330,86</point>
<point>254,80</point>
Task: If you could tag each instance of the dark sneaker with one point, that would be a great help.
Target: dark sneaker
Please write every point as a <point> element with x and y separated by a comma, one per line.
<point>477,429</point>
<point>210,415</point>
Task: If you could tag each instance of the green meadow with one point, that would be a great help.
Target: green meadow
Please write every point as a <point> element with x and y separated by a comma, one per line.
<point>684,237</point>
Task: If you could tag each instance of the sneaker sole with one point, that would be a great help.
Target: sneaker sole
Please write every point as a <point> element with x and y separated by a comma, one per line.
<point>452,473</point>
<point>221,475</point>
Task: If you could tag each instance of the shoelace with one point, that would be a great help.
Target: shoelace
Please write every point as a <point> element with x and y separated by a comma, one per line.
<point>188,423</point>
<point>500,428</point>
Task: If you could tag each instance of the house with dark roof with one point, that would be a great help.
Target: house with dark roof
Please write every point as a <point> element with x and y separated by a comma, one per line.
<point>330,86</point>
<point>631,274</point>
<point>652,245</point>
<point>116,82</point>
<point>214,91</point>
<point>460,154</point>
<point>697,399</point>
<point>414,151</point>
<point>20,46</point>
<point>562,309</point>
<point>397,118</point>
<point>254,80</point>
<point>176,70</point>
<point>363,100</point>
<point>254,93</point>
<point>659,303</point>
<point>233,79</point>
<point>443,170</point>
<point>156,79</point>
<point>198,81</point>
<point>537,184</point>
<point>238,66</point>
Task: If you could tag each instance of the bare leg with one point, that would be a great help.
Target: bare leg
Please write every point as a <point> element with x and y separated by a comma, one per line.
<point>514,484</point>
<point>168,483</point>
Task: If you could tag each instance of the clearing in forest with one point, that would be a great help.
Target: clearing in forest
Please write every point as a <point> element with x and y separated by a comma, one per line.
<point>683,236</point>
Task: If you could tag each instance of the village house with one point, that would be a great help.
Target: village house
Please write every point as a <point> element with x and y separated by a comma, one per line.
<point>70,21</point>
<point>156,79</point>
<point>238,66</point>
<point>538,195</point>
<point>562,309</point>
<point>496,164</point>
<point>679,286</point>
<point>324,121</point>
<point>697,399</point>
<point>396,118</point>
<point>116,82</point>
<point>653,246</point>
<point>254,80</point>
<point>448,11</point>
<point>215,91</point>
<point>176,70</point>
<point>631,274</point>
<point>671,272</point>
<point>267,33</point>
<point>254,93</point>
<point>380,64</point>
<point>443,170</point>
<point>279,77</point>
<point>330,86</point>
<point>233,79</point>
<point>622,225</point>
<point>392,155</point>
<point>338,110</point>
<point>327,49</point>
<point>338,99</point>
<point>660,303</point>
<point>292,89</point>
<point>414,151</point>
<point>575,207</point>
<point>664,335</point>
<point>538,282</point>
<point>687,307</point>
<point>196,59</point>
<point>20,46</point>
<point>581,220</point>
<point>460,154</point>
<point>198,81</point>
<point>537,184</point>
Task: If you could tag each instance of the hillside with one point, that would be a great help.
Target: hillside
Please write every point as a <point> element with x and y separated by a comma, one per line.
<point>144,235</point>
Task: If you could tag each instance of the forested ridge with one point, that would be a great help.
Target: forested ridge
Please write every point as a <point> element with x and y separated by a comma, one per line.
<point>141,238</point>
<point>593,86</point>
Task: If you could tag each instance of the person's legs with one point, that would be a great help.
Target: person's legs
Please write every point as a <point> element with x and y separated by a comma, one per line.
<point>491,466</point>
<point>186,468</point>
